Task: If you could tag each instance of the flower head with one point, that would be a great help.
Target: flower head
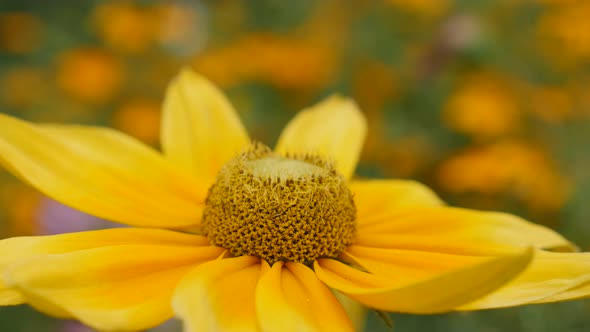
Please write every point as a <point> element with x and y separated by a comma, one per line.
<point>229,234</point>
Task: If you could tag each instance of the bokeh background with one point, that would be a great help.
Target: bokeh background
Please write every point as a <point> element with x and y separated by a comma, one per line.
<point>485,101</point>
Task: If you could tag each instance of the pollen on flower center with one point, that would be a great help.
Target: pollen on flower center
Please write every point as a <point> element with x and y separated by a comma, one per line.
<point>295,208</point>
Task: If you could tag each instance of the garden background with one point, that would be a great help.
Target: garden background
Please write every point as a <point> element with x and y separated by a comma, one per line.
<point>487,102</point>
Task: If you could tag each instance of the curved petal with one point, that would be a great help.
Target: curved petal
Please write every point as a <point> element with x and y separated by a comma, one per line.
<point>109,282</point>
<point>100,172</point>
<point>335,128</point>
<point>407,265</point>
<point>219,296</point>
<point>112,148</point>
<point>550,277</point>
<point>457,231</point>
<point>16,249</point>
<point>440,293</point>
<point>378,199</point>
<point>200,128</point>
<point>289,297</point>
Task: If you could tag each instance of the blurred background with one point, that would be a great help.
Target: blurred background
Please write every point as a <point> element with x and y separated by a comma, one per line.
<point>487,102</point>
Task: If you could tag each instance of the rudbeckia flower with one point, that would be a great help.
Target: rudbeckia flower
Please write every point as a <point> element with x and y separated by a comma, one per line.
<point>231,235</point>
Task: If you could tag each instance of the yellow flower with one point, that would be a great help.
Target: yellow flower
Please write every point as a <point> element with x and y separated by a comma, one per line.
<point>272,232</point>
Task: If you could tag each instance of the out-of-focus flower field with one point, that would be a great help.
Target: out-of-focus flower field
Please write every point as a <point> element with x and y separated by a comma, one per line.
<point>488,102</point>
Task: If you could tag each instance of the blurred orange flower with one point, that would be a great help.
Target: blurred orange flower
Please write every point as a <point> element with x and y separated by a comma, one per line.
<point>550,103</point>
<point>287,62</point>
<point>564,32</point>
<point>124,26</point>
<point>482,107</point>
<point>131,28</point>
<point>524,171</point>
<point>89,74</point>
<point>21,205</point>
<point>139,118</point>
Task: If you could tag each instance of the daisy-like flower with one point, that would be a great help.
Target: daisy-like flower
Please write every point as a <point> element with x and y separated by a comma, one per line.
<point>230,235</point>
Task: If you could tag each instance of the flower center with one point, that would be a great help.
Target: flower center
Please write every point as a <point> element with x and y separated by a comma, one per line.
<point>294,209</point>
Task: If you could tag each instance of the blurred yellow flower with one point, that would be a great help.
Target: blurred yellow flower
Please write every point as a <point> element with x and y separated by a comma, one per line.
<point>275,231</point>
<point>89,74</point>
<point>523,170</point>
<point>482,107</point>
<point>20,32</point>
<point>139,118</point>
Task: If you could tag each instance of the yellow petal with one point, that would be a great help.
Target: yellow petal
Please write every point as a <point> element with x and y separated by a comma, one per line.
<point>17,249</point>
<point>440,293</point>
<point>334,128</point>
<point>379,199</point>
<point>407,266</point>
<point>289,297</point>
<point>200,128</point>
<point>110,147</point>
<point>10,296</point>
<point>98,171</point>
<point>112,286</point>
<point>457,231</point>
<point>219,296</point>
<point>550,277</point>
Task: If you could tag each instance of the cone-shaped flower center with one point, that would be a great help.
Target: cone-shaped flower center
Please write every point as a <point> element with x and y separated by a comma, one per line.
<point>280,209</point>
